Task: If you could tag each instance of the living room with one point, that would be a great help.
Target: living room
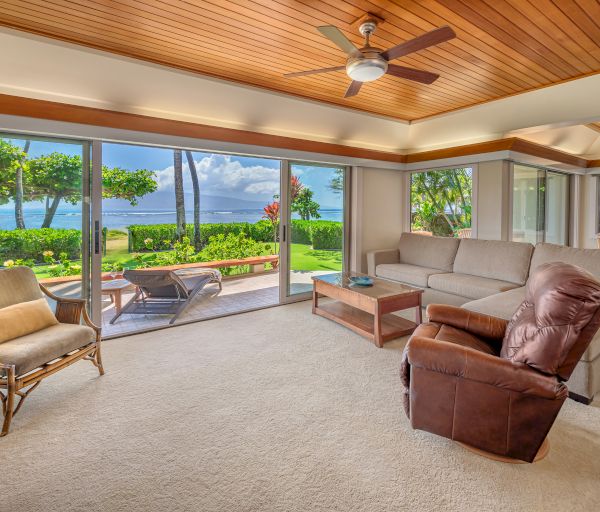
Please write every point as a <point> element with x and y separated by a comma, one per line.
<point>296,255</point>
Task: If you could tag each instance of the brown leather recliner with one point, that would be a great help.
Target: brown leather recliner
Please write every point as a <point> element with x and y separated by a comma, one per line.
<point>498,385</point>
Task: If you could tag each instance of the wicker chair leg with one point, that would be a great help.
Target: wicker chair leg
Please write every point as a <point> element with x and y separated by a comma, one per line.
<point>9,401</point>
<point>98,357</point>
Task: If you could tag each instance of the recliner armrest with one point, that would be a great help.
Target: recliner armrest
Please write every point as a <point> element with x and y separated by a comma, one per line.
<point>375,258</point>
<point>470,321</point>
<point>467,363</point>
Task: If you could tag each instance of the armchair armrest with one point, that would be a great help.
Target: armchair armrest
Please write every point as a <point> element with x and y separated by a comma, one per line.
<point>470,321</point>
<point>375,258</point>
<point>71,310</point>
<point>467,363</point>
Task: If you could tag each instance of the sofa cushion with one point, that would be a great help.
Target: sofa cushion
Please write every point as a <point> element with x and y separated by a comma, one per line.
<point>501,305</point>
<point>589,259</point>
<point>18,284</point>
<point>24,318</point>
<point>465,285</point>
<point>31,351</point>
<point>411,274</point>
<point>494,259</point>
<point>428,251</point>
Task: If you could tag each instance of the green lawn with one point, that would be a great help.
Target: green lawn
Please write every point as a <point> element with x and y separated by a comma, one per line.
<point>303,257</point>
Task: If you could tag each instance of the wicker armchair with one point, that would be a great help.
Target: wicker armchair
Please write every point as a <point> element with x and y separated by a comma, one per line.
<point>26,360</point>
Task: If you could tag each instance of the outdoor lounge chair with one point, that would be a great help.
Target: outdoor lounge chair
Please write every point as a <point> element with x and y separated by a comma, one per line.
<point>165,292</point>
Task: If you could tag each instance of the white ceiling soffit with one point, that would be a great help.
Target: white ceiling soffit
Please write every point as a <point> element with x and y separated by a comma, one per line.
<point>46,69</point>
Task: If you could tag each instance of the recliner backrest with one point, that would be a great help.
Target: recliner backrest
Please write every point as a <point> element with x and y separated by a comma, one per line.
<point>555,323</point>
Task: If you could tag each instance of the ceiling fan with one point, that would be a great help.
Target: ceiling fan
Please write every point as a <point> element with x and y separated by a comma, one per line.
<point>368,63</point>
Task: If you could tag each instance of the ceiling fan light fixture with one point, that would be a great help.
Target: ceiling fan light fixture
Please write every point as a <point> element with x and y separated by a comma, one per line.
<point>366,70</point>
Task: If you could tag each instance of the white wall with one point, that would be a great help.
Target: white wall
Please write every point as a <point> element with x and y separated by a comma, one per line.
<point>492,215</point>
<point>380,208</point>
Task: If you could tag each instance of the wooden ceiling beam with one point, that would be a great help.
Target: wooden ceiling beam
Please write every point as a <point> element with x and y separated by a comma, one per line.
<point>55,111</point>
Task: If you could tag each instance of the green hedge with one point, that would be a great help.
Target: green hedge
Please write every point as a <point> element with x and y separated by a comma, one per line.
<point>301,231</point>
<point>163,236</point>
<point>321,234</point>
<point>31,243</point>
<point>327,235</point>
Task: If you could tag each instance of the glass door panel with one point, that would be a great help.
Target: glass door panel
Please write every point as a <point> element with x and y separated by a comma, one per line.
<point>44,210</point>
<point>557,207</point>
<point>315,224</point>
<point>528,204</point>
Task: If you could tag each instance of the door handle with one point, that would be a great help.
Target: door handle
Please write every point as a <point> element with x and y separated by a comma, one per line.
<point>283,236</point>
<point>96,237</point>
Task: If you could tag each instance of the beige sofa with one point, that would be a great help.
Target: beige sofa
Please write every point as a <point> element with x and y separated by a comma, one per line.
<point>485,276</point>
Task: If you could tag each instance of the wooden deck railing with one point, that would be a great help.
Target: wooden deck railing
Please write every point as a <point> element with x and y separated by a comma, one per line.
<point>257,264</point>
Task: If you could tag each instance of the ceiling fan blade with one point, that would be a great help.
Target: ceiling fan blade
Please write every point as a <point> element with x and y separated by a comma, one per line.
<point>416,75</point>
<point>353,89</point>
<point>315,71</point>
<point>335,35</point>
<point>437,36</point>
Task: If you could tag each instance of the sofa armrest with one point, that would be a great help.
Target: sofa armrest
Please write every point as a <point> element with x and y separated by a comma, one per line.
<point>375,258</point>
<point>467,363</point>
<point>71,310</point>
<point>476,323</point>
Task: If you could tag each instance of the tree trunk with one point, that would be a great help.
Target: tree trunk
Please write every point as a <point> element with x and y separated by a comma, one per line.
<point>437,205</point>
<point>196,188</point>
<point>50,210</point>
<point>19,217</point>
<point>179,196</point>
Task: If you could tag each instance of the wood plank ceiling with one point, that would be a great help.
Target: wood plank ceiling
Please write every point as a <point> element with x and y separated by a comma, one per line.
<point>504,47</point>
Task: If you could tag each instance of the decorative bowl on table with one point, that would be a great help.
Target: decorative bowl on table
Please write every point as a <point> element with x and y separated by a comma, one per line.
<point>361,280</point>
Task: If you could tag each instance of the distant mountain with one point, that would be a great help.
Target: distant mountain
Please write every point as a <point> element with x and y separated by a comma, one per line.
<point>165,200</point>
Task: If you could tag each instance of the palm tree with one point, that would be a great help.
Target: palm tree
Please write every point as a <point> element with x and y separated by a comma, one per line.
<point>179,197</point>
<point>19,217</point>
<point>196,188</point>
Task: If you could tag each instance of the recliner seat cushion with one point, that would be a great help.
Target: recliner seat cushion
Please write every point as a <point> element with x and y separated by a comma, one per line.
<point>411,274</point>
<point>34,350</point>
<point>428,251</point>
<point>494,259</point>
<point>451,334</point>
<point>473,287</point>
<point>555,323</point>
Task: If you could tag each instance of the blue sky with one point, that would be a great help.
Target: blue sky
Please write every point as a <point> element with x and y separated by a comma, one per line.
<point>240,177</point>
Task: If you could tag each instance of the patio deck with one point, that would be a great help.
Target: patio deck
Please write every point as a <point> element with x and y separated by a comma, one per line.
<point>240,293</point>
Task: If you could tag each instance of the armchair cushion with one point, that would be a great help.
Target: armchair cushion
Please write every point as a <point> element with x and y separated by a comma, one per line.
<point>476,323</point>
<point>25,318</point>
<point>33,350</point>
<point>18,284</point>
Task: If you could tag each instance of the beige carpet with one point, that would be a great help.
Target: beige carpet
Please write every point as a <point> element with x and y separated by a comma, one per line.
<point>275,410</point>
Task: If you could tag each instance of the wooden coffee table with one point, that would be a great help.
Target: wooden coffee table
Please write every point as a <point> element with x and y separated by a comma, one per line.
<point>366,310</point>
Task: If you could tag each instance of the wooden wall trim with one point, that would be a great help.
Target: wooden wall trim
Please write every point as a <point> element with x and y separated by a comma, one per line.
<point>55,111</point>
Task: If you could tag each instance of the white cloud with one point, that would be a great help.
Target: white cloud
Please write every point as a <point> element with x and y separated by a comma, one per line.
<point>220,174</point>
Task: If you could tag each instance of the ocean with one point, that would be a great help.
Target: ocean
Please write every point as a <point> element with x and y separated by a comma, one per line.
<point>120,219</point>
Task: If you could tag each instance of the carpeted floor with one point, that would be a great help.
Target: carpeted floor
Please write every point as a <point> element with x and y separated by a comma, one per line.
<point>275,410</point>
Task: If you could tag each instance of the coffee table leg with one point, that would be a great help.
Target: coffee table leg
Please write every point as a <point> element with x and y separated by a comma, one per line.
<point>377,330</point>
<point>419,315</point>
<point>315,299</point>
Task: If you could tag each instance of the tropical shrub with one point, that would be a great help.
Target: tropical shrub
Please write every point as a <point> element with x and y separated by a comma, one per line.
<point>232,247</point>
<point>301,231</point>
<point>160,237</point>
<point>30,244</point>
<point>327,235</point>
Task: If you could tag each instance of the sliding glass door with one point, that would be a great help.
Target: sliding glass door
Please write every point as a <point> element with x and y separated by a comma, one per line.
<point>540,205</point>
<point>313,226</point>
<point>44,210</point>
